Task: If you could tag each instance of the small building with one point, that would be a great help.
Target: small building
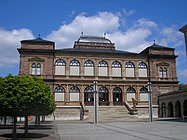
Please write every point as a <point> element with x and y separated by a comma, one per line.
<point>173,104</point>
<point>121,75</point>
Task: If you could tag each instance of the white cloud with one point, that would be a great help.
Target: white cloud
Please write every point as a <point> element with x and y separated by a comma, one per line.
<point>90,25</point>
<point>9,42</point>
<point>171,36</point>
<point>137,37</point>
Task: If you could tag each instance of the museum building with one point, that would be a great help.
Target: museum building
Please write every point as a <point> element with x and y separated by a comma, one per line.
<point>120,75</point>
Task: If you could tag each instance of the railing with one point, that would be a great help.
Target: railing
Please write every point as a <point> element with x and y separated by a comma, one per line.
<point>81,111</point>
<point>131,110</point>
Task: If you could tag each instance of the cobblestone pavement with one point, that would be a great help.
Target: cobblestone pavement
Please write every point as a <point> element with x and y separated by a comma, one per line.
<point>156,130</point>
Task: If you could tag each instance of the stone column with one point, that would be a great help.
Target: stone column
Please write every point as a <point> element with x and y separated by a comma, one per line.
<point>96,68</point>
<point>110,96</point>
<point>124,94</point>
<point>123,73</point>
<point>82,94</point>
<point>136,74</point>
<point>109,69</point>
<point>81,67</point>
<point>67,67</point>
<point>66,98</point>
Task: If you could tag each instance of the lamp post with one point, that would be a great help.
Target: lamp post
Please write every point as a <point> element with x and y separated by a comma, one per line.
<point>150,102</point>
<point>95,103</point>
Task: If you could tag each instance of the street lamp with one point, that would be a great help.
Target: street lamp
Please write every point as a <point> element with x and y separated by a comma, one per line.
<point>95,102</point>
<point>150,102</point>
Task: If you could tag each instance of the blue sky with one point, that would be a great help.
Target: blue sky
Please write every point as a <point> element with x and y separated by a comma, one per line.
<point>131,24</point>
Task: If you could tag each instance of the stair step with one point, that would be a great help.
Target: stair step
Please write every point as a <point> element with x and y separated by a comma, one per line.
<point>110,113</point>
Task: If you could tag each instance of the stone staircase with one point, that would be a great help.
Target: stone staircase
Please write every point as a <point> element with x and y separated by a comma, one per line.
<point>109,113</point>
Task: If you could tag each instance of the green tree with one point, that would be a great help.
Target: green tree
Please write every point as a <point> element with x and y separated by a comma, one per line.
<point>183,87</point>
<point>25,96</point>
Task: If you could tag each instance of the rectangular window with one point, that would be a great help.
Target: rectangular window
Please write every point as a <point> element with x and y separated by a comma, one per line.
<point>74,96</point>
<point>33,72</point>
<point>74,70</point>
<point>129,72</point>
<point>89,71</point>
<point>116,72</point>
<point>38,71</point>
<point>130,96</point>
<point>59,96</point>
<point>103,71</point>
<point>59,70</point>
<point>142,72</point>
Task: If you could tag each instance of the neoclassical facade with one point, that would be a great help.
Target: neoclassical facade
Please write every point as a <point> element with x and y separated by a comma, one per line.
<point>120,75</point>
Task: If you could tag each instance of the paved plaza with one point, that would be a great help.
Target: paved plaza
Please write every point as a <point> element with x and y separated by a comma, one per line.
<point>80,130</point>
<point>156,130</point>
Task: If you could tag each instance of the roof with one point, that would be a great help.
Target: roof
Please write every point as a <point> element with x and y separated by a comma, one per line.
<point>156,46</point>
<point>95,50</point>
<point>94,39</point>
<point>173,92</point>
<point>37,40</point>
<point>183,29</point>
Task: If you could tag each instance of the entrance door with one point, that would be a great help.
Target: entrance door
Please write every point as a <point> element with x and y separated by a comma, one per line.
<point>103,96</point>
<point>117,96</point>
<point>88,96</point>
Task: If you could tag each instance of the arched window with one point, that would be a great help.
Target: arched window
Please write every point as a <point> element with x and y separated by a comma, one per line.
<point>74,93</point>
<point>130,93</point>
<point>36,69</point>
<point>103,68</point>
<point>89,94</point>
<point>88,68</point>
<point>117,95</point>
<point>103,95</point>
<point>129,69</point>
<point>116,69</point>
<point>163,72</point>
<point>144,94</point>
<point>74,68</point>
<point>142,69</point>
<point>60,67</point>
<point>59,93</point>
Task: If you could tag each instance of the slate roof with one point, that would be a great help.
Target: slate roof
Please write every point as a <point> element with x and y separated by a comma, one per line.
<point>37,40</point>
<point>183,29</point>
<point>156,46</point>
<point>95,51</point>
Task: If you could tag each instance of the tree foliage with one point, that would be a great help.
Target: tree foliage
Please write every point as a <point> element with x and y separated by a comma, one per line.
<point>25,96</point>
<point>183,87</point>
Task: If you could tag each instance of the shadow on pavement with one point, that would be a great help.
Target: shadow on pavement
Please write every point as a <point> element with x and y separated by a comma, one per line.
<point>172,119</point>
<point>21,135</point>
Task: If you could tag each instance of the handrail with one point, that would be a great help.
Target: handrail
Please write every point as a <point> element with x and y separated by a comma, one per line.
<point>131,110</point>
<point>81,111</point>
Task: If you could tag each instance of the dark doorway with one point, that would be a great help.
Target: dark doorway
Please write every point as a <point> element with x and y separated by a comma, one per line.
<point>177,109</point>
<point>103,96</point>
<point>185,108</point>
<point>170,109</point>
<point>117,96</point>
<point>88,96</point>
<point>163,110</point>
